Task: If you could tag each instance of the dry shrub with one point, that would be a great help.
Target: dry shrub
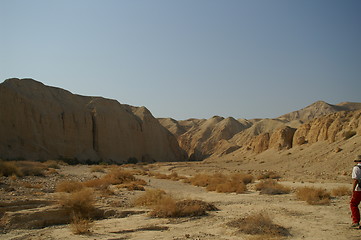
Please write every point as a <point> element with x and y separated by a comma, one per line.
<point>259,224</point>
<point>172,176</point>
<point>231,186</point>
<point>52,164</point>
<point>271,187</point>
<point>116,176</point>
<point>69,186</point>
<point>341,191</point>
<point>30,168</point>
<point>313,196</point>
<point>200,180</point>
<point>81,225</point>
<point>269,175</point>
<point>79,203</point>
<point>119,176</point>
<point>183,204</point>
<point>8,169</point>
<point>168,207</point>
<point>151,197</point>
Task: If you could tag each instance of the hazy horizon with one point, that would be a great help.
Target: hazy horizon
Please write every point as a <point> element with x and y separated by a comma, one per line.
<point>189,59</point>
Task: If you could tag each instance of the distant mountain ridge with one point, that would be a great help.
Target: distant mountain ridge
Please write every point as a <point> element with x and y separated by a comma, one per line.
<point>318,109</point>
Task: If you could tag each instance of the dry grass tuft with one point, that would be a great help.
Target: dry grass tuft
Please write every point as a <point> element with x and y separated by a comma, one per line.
<point>272,187</point>
<point>69,186</point>
<point>151,197</point>
<point>30,168</point>
<point>79,203</point>
<point>259,224</point>
<point>341,191</point>
<point>119,176</point>
<point>81,225</point>
<point>52,164</point>
<point>166,206</point>
<point>231,186</point>
<point>313,196</point>
<point>116,177</point>
<point>8,169</point>
<point>172,176</point>
<point>169,207</point>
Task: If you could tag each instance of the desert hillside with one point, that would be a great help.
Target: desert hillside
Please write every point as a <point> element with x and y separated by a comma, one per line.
<point>219,137</point>
<point>42,122</point>
<point>281,178</point>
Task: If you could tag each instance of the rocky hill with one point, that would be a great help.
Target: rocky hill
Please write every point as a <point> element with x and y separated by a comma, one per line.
<point>218,137</point>
<point>42,122</point>
<point>318,109</point>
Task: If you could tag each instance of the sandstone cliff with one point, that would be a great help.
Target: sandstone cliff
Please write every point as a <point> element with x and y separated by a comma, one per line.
<point>41,122</point>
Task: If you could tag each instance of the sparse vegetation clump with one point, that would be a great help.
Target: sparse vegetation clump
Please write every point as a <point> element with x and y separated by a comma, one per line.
<point>272,187</point>
<point>169,207</point>
<point>172,176</point>
<point>79,203</point>
<point>117,177</point>
<point>8,169</point>
<point>259,224</point>
<point>69,186</point>
<point>22,168</point>
<point>341,191</point>
<point>164,205</point>
<point>314,196</point>
<point>81,225</point>
<point>223,183</point>
<point>151,197</point>
<point>30,168</point>
<point>52,164</point>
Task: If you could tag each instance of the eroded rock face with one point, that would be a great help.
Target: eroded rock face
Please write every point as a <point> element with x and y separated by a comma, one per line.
<point>41,122</point>
<point>282,138</point>
<point>333,127</point>
<point>203,139</point>
<point>260,143</point>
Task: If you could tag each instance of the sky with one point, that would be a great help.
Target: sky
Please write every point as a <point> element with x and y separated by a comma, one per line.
<point>189,58</point>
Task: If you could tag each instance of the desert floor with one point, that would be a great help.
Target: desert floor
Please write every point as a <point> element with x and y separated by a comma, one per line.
<point>303,221</point>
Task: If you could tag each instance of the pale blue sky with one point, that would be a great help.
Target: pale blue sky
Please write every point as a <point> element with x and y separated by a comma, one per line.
<point>189,58</point>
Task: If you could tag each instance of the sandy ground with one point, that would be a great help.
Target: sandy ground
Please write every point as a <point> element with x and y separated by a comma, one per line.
<point>304,221</point>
